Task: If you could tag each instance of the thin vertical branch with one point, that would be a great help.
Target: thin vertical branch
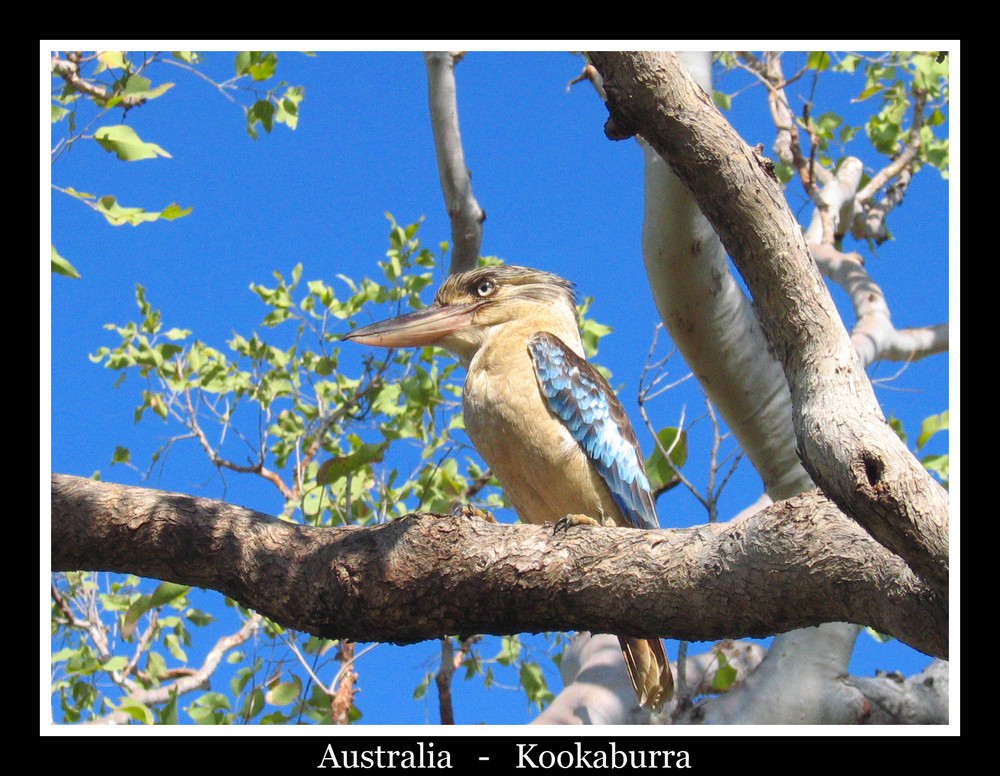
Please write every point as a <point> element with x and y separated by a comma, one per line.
<point>443,681</point>
<point>450,661</point>
<point>456,181</point>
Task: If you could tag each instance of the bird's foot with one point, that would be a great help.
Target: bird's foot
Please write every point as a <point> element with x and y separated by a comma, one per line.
<point>568,521</point>
<point>465,510</point>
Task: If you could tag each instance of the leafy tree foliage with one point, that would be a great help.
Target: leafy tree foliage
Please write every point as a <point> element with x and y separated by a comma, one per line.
<point>99,83</point>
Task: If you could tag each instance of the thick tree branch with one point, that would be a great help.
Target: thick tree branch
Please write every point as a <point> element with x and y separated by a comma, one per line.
<point>800,562</point>
<point>844,440</point>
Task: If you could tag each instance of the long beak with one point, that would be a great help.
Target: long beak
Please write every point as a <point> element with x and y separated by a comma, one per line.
<point>423,327</point>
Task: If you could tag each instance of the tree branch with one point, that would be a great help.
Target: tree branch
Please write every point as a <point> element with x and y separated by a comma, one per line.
<point>797,563</point>
<point>874,335</point>
<point>844,441</point>
<point>194,680</point>
<point>713,324</point>
<point>464,211</point>
<point>69,70</point>
<point>918,700</point>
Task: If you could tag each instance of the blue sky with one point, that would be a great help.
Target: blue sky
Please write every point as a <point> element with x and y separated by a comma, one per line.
<point>558,196</point>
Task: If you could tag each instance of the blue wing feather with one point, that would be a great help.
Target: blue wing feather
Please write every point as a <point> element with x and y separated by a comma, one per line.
<point>578,394</point>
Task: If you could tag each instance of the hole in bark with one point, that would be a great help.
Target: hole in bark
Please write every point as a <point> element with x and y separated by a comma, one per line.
<point>873,468</point>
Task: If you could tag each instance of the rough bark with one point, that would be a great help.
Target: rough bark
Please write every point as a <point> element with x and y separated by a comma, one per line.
<point>800,562</point>
<point>717,331</point>
<point>922,699</point>
<point>843,439</point>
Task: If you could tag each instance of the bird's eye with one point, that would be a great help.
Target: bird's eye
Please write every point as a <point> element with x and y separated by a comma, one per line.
<point>485,287</point>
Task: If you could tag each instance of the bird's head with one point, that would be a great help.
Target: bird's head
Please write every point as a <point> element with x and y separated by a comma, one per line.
<point>471,307</point>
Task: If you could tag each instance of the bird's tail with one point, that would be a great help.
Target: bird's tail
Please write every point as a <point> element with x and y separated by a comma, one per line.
<point>649,671</point>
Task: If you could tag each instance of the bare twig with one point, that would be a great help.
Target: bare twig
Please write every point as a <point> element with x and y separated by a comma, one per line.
<point>192,681</point>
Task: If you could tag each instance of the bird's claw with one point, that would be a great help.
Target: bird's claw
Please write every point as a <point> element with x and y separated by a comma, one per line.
<point>568,521</point>
<point>465,510</point>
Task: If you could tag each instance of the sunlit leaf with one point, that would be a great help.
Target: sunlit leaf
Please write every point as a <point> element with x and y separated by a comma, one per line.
<point>931,426</point>
<point>122,140</point>
<point>62,267</point>
<point>117,215</point>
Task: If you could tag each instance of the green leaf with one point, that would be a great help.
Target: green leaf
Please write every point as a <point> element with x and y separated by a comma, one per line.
<point>138,87</point>
<point>939,464</point>
<point>62,267</point>
<point>63,655</point>
<point>253,705</point>
<point>111,60</point>
<point>335,468</point>
<point>59,113</point>
<point>870,91</point>
<point>510,649</point>
<point>167,713</point>
<point>288,106</point>
<point>284,693</point>
<point>210,709</point>
<point>164,594</point>
<point>258,65</point>
<point>724,678</point>
<point>81,195</point>
<point>264,67</point>
<point>818,60</point>
<point>116,663</point>
<point>661,474</point>
<point>261,112</point>
<point>591,331</point>
<point>198,617</point>
<point>783,172</point>
<point>533,682</point>
<point>421,689</point>
<point>122,140</point>
<point>828,122</point>
<point>849,63</point>
<point>117,215</point>
<point>173,643</point>
<point>155,664</point>
<point>167,592</point>
<point>931,426</point>
<point>140,712</point>
<point>245,60</point>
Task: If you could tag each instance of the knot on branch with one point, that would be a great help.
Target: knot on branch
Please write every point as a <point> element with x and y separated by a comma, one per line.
<point>765,162</point>
<point>618,128</point>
